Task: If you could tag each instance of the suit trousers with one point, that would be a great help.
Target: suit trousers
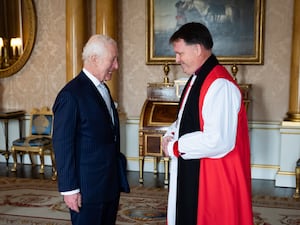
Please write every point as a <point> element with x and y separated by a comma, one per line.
<point>96,214</point>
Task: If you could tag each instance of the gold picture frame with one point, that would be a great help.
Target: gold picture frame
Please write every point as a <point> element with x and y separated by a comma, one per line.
<point>237,29</point>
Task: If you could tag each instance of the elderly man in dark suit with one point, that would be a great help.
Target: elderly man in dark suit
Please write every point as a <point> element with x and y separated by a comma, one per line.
<point>86,138</point>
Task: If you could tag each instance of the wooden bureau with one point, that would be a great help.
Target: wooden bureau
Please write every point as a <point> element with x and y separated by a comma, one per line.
<point>155,118</point>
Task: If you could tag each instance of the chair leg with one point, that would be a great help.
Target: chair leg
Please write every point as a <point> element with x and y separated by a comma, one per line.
<point>141,168</point>
<point>166,160</point>
<point>14,155</point>
<point>21,157</point>
<point>155,170</point>
<point>31,159</point>
<point>297,192</point>
<point>41,153</point>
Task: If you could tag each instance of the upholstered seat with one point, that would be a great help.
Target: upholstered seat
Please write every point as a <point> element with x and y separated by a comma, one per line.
<point>38,142</point>
<point>34,142</point>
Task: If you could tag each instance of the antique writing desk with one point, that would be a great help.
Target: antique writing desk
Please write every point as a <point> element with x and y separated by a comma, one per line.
<point>5,116</point>
<point>159,111</point>
<point>155,118</point>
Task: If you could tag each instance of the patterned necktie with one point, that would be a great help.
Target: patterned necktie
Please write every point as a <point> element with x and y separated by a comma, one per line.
<point>104,93</point>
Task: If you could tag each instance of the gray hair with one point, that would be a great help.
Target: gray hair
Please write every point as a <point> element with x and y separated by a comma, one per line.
<point>96,45</point>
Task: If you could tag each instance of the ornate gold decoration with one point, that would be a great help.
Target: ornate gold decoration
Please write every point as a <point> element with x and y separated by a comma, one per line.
<point>245,88</point>
<point>166,71</point>
<point>234,70</point>
<point>297,170</point>
<point>153,43</point>
<point>29,35</point>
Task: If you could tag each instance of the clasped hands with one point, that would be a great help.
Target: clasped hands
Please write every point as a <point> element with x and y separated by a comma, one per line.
<point>165,143</point>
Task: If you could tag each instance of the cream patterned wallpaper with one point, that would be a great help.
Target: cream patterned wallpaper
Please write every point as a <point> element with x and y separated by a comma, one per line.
<point>43,76</point>
<point>37,83</point>
<point>270,92</point>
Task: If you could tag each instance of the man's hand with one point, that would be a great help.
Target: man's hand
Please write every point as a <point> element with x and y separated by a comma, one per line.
<point>164,144</point>
<point>73,201</point>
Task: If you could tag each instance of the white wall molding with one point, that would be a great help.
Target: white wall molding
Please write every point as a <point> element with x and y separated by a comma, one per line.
<point>289,153</point>
<point>275,148</point>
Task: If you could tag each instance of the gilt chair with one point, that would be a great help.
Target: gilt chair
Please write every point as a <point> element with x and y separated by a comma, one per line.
<point>297,171</point>
<point>39,141</point>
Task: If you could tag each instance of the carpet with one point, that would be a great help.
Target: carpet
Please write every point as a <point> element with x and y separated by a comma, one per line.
<point>27,202</point>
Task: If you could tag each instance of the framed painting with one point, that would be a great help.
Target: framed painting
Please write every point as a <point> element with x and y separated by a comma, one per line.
<point>237,28</point>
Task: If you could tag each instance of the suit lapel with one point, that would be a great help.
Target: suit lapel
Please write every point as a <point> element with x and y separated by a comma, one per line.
<point>94,93</point>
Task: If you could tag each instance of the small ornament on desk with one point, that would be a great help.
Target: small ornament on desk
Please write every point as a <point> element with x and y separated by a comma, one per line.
<point>234,70</point>
<point>162,91</point>
<point>245,88</point>
<point>166,71</point>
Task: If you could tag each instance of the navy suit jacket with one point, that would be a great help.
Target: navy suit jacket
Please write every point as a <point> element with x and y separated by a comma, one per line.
<point>86,142</point>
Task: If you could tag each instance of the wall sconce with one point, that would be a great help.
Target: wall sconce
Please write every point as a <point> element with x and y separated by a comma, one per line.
<point>10,50</point>
<point>17,46</point>
<point>5,62</point>
<point>1,45</point>
<point>11,47</point>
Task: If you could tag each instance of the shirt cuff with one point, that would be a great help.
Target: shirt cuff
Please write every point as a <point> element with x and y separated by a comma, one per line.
<point>173,149</point>
<point>70,192</point>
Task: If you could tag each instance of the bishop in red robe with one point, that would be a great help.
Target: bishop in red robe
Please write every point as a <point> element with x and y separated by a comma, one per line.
<point>210,172</point>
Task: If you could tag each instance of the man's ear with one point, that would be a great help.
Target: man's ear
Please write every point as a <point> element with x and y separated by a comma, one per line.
<point>94,59</point>
<point>198,49</point>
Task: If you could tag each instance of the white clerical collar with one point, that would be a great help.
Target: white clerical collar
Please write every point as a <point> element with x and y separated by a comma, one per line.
<point>194,76</point>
